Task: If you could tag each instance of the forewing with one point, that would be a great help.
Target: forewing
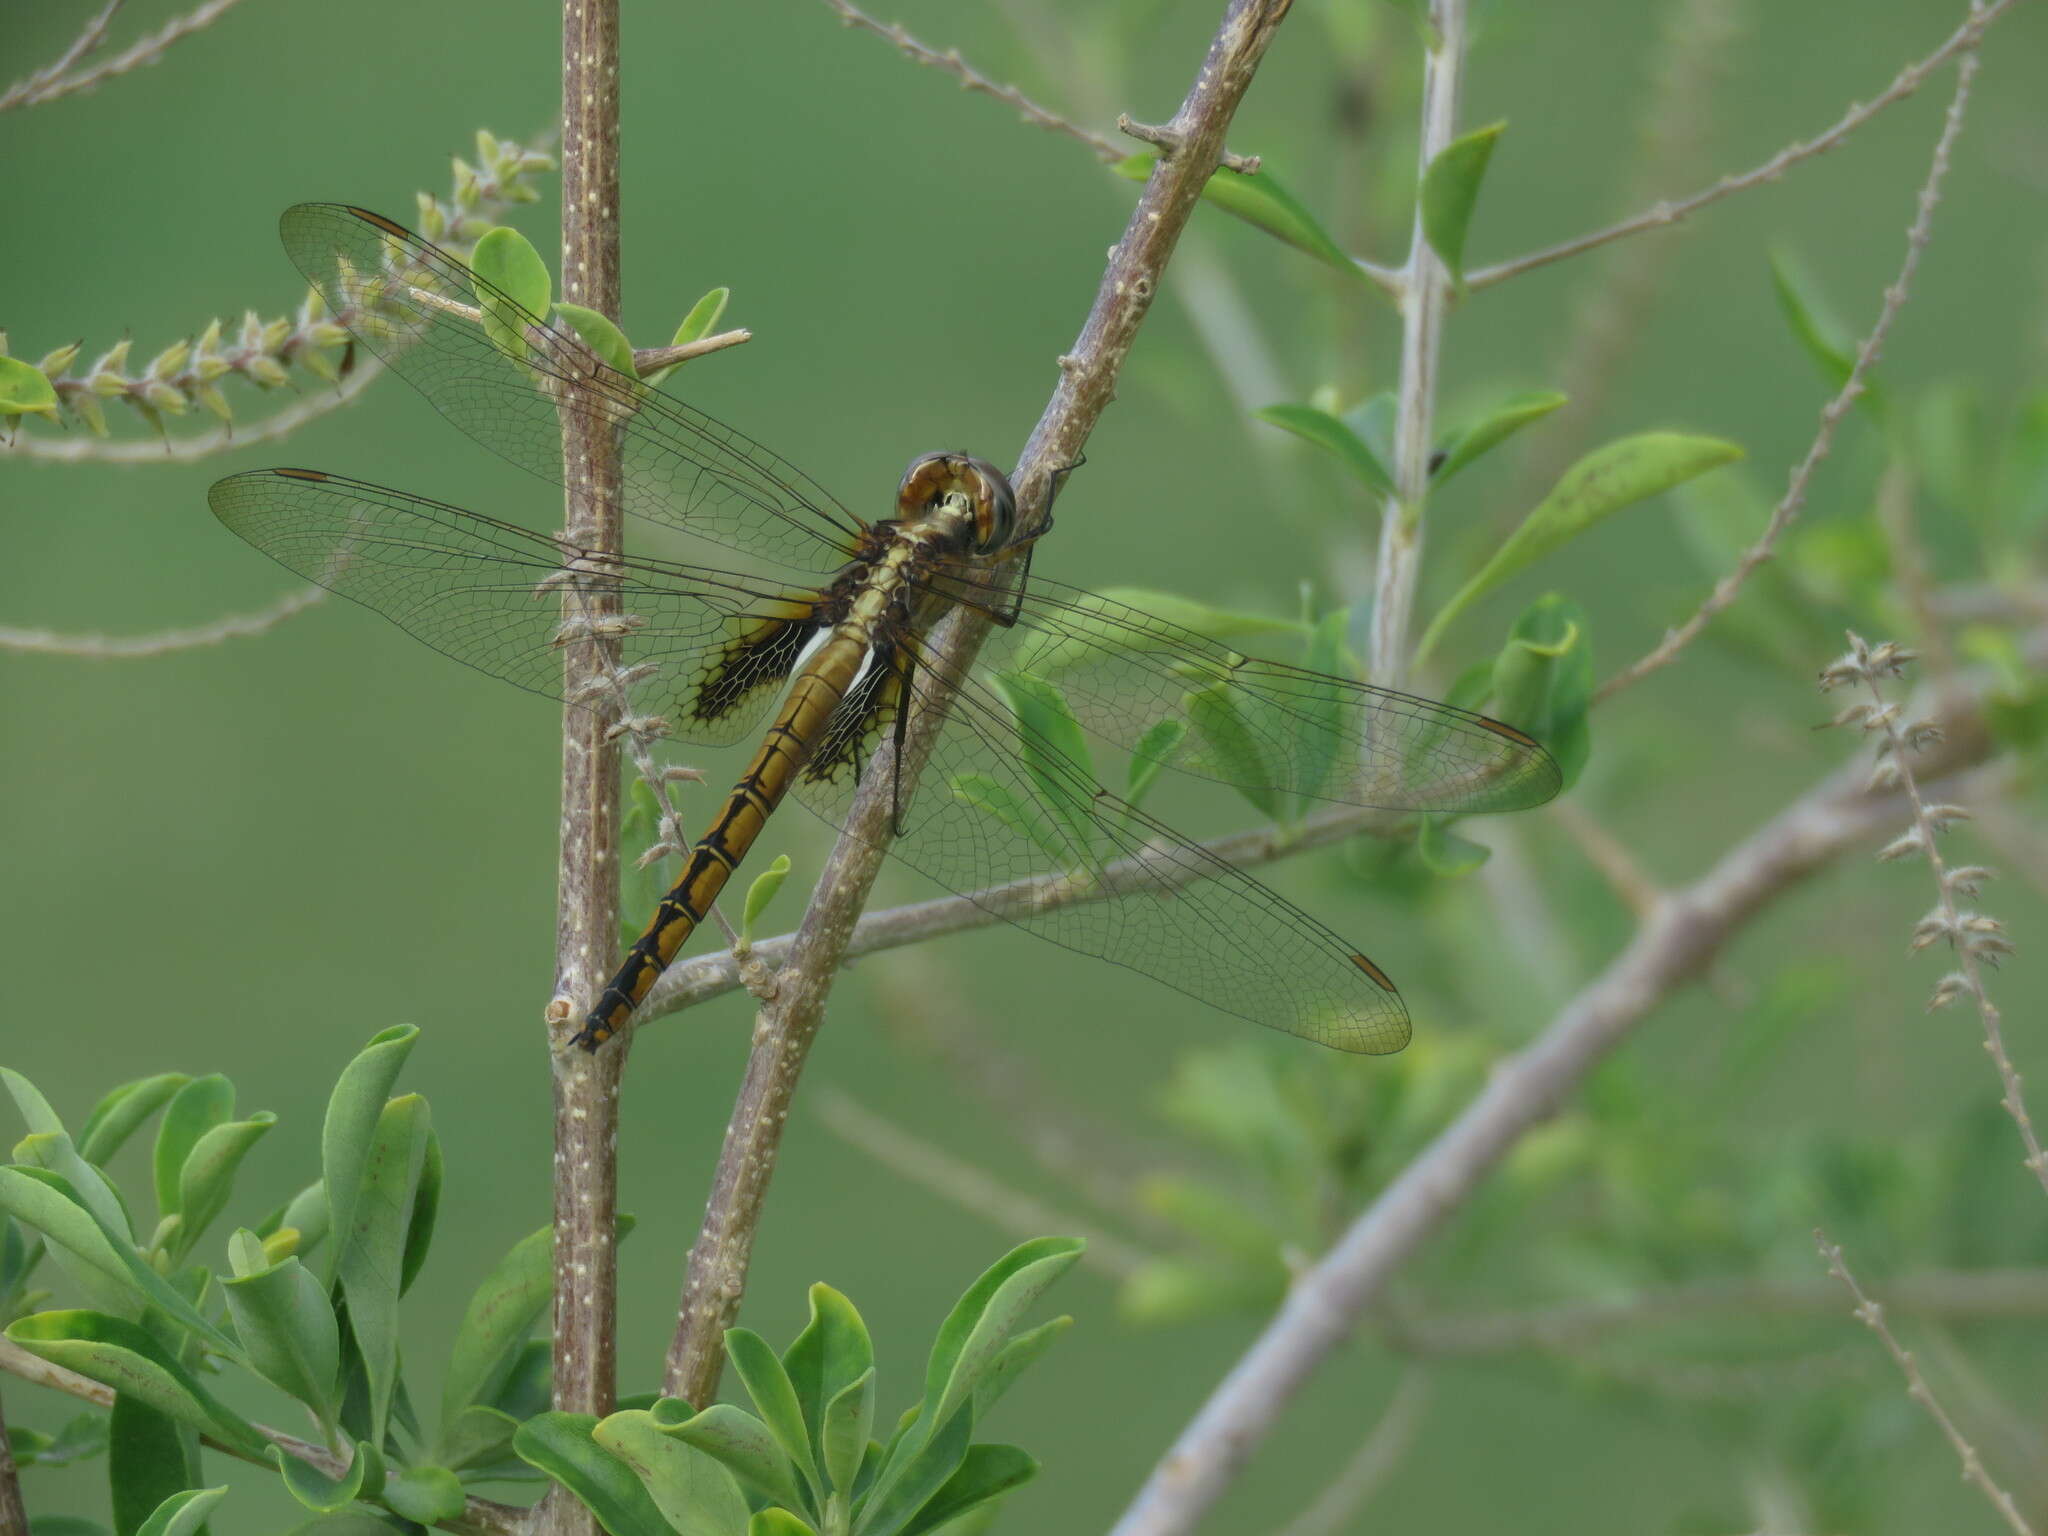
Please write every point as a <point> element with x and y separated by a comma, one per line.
<point>491,595</point>
<point>1264,724</point>
<point>1004,817</point>
<point>420,310</point>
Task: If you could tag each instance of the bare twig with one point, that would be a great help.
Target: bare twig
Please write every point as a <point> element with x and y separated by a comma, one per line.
<point>1977,940</point>
<point>1963,40</point>
<point>236,626</point>
<point>51,82</point>
<point>786,1027</point>
<point>647,359</point>
<point>1729,587</point>
<point>83,448</point>
<point>1002,1205</point>
<point>480,1517</point>
<point>1425,290</point>
<point>1609,855</point>
<point>1682,937</point>
<point>1337,1506</point>
<point>1871,1314</point>
<point>586,1084</point>
<point>13,1513</point>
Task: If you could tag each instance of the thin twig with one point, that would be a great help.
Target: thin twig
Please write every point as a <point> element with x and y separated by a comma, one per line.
<point>1963,40</point>
<point>236,626</point>
<point>480,1517</point>
<point>90,37</point>
<point>1729,587</point>
<point>786,1027</point>
<point>82,447</point>
<point>13,1512</point>
<point>1977,940</point>
<point>1425,294</point>
<point>49,84</point>
<point>586,1083</point>
<point>1002,1205</point>
<point>1684,935</point>
<point>1871,1314</point>
<point>1393,1435</point>
<point>1608,854</point>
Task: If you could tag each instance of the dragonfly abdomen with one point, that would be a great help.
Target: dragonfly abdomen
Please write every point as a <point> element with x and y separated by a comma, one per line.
<point>825,679</point>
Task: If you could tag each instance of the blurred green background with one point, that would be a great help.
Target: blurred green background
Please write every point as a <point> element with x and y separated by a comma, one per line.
<point>250,858</point>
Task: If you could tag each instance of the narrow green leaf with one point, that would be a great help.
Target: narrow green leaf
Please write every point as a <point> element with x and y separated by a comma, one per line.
<point>25,390</point>
<point>352,1114</point>
<point>694,1492</point>
<point>1055,756</point>
<point>903,1489</point>
<point>986,1472</point>
<point>1444,852</point>
<point>1373,419</point>
<point>847,1422</point>
<point>760,1371</point>
<point>427,1494</point>
<point>702,319</point>
<point>477,1437</point>
<point>779,1522</point>
<point>151,1457</point>
<point>83,1436</point>
<point>324,1495</point>
<point>117,1116</point>
<point>1263,202</point>
<point>1450,191</point>
<point>1155,750</point>
<point>128,1358</point>
<point>1471,439</point>
<point>426,1205</point>
<point>604,339</point>
<point>745,1446</point>
<point>506,258</point>
<point>500,1315</point>
<point>195,1109</point>
<point>1335,438</point>
<point>1239,754</point>
<point>832,1352</point>
<point>984,1318</point>
<point>373,1246</point>
<point>1012,1361</point>
<point>208,1176</point>
<point>762,892</point>
<point>1318,714</point>
<point>1020,815</point>
<point>1543,680</point>
<point>559,1444</point>
<point>53,1152</point>
<point>35,1109</point>
<point>356,1523</point>
<point>288,1332</point>
<point>182,1514</point>
<point>1611,477</point>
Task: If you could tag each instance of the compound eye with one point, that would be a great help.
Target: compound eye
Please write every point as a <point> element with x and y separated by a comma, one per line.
<point>995,509</point>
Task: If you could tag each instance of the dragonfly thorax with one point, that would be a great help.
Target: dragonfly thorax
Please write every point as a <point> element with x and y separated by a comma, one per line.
<point>968,498</point>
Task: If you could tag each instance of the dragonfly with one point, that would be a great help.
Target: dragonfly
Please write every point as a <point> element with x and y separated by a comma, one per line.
<point>825,631</point>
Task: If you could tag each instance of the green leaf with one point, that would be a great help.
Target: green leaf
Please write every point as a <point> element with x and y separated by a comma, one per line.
<point>151,1457</point>
<point>1155,750</point>
<point>1318,709</point>
<point>1014,811</point>
<point>117,1116</point>
<point>1373,419</point>
<point>1450,191</point>
<point>83,1436</point>
<point>831,1353</point>
<point>182,1514</point>
<point>355,1523</point>
<point>559,1444</point>
<point>1469,440</point>
<point>195,1109</point>
<point>53,1152</point>
<point>987,1472</point>
<point>903,1489</point>
<point>1105,622</point>
<point>846,1424</point>
<point>1335,438</point>
<point>208,1176</point>
<point>1609,478</point>
<point>1543,680</point>
<point>1261,201</point>
<point>1444,852</point>
<point>351,1125</point>
<point>1014,1358</point>
<point>324,1495</point>
<point>745,1446</point>
<point>695,1494</point>
<point>373,1246</point>
<point>603,338</point>
<point>25,390</point>
<point>426,1205</point>
<point>779,1522</point>
<point>287,1327</point>
<point>2022,479</point>
<point>984,1318</point>
<point>427,1494</point>
<point>1239,753</point>
<point>762,892</point>
<point>128,1358</point>
<point>495,1325</point>
<point>702,319</point>
<point>477,1437</point>
<point>760,1371</point>
<point>35,1109</point>
<point>506,258</point>
<point>1052,747</point>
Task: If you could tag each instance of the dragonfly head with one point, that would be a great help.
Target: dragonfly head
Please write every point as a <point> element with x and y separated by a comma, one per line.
<point>969,495</point>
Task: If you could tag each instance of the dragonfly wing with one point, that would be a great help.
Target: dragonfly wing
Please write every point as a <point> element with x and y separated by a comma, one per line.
<point>699,647</point>
<point>1263,724</point>
<point>1003,817</point>
<point>423,312</point>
